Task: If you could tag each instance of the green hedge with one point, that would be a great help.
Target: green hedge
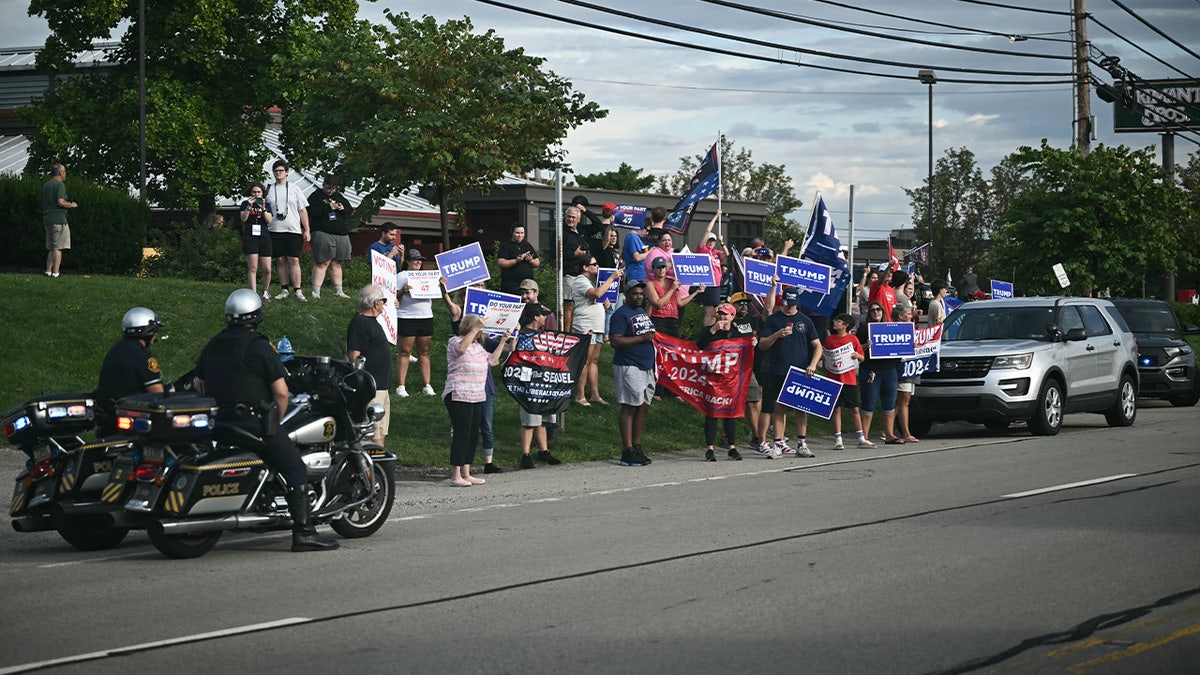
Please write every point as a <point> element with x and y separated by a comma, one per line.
<point>108,229</point>
<point>1187,313</point>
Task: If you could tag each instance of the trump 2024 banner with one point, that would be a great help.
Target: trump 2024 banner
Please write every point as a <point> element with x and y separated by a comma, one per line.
<point>714,380</point>
<point>814,395</point>
<point>927,348</point>
<point>463,266</point>
<point>542,372</point>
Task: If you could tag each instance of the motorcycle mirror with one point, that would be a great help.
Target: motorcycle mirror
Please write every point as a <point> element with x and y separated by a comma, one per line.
<point>360,362</point>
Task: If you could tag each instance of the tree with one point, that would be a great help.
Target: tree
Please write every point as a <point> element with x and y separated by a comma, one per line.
<point>1188,256</point>
<point>625,179</point>
<point>1111,218</point>
<point>964,211</point>
<point>742,179</point>
<point>414,101</point>
<point>209,87</point>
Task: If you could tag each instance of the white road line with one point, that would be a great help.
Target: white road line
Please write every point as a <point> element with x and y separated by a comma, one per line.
<point>1069,486</point>
<point>24,667</point>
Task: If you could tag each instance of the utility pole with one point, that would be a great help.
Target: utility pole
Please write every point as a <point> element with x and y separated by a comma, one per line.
<point>1083,111</point>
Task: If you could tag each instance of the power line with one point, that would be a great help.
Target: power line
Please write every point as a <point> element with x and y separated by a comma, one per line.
<point>796,92</point>
<point>1154,28</point>
<point>961,29</point>
<point>755,57</point>
<point>776,45</point>
<point>928,43</point>
<point>1136,46</point>
<point>1022,9</point>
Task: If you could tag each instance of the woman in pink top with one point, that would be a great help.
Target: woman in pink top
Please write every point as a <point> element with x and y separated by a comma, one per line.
<point>714,247</point>
<point>467,365</point>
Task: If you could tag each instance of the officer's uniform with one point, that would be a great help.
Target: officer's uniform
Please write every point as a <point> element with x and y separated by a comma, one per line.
<point>238,367</point>
<point>128,369</point>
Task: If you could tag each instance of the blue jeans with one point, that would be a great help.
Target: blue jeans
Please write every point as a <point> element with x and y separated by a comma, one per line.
<point>881,386</point>
<point>485,425</point>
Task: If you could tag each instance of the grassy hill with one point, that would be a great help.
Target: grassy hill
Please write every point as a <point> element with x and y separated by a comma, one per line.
<point>57,331</point>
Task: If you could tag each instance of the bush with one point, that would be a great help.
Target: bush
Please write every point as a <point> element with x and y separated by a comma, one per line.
<point>1187,313</point>
<point>107,230</point>
<point>199,253</point>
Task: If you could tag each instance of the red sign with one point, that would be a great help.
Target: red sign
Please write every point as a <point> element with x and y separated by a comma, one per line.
<point>714,380</point>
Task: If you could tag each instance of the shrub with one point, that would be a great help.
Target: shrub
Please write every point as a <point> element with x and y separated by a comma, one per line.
<point>1187,313</point>
<point>199,253</point>
<point>107,230</point>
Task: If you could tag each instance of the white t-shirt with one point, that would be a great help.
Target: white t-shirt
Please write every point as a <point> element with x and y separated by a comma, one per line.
<point>286,202</point>
<point>410,307</point>
<point>589,315</point>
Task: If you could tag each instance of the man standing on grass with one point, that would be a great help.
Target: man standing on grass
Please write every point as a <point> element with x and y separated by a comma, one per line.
<point>289,229</point>
<point>631,334</point>
<point>54,218</point>
<point>329,214</point>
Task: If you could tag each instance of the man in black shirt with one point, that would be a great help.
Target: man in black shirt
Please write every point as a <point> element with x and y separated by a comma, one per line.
<point>365,337</point>
<point>329,213</point>
<point>517,259</point>
<point>128,367</point>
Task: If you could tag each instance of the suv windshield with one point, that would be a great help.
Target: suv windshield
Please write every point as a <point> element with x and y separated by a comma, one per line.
<point>1000,323</point>
<point>1150,318</point>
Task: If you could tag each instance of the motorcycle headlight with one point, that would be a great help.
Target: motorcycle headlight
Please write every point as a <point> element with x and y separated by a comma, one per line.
<point>1017,362</point>
<point>375,412</point>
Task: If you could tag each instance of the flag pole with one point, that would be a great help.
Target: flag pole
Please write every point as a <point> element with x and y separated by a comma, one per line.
<point>720,191</point>
<point>850,253</point>
<point>808,233</point>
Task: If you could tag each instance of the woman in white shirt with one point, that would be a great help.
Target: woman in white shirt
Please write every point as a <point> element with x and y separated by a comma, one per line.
<point>414,326</point>
<point>589,323</point>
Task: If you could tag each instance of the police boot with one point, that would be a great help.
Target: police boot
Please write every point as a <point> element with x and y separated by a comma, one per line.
<point>304,535</point>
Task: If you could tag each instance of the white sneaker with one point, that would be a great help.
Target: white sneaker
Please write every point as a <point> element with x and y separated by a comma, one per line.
<point>266,296</point>
<point>316,293</point>
<point>401,392</point>
<point>282,295</point>
<point>787,449</point>
<point>777,449</point>
<point>428,390</point>
<point>763,449</point>
<point>412,358</point>
<point>864,443</point>
<point>803,451</point>
<point>339,294</point>
<point>300,295</point>
<point>839,445</point>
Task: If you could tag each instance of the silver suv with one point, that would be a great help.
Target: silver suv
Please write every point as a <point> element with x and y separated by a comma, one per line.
<point>1031,359</point>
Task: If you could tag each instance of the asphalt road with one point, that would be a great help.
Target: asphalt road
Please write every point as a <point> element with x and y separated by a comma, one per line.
<point>931,557</point>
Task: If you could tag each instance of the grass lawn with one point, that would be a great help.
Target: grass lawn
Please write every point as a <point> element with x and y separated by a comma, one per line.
<point>58,331</point>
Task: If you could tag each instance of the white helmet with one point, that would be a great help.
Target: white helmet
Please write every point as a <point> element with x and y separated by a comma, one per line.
<point>140,322</point>
<point>243,307</point>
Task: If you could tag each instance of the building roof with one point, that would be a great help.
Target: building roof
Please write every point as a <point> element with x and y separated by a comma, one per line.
<point>25,58</point>
<point>14,153</point>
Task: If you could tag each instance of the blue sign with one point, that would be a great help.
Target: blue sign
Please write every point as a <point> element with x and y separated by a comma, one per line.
<point>477,300</point>
<point>463,266</point>
<point>630,217</point>
<point>805,274</point>
<point>814,395</point>
<point>891,339</point>
<point>614,291</point>
<point>758,276</point>
<point>694,269</point>
<point>1001,289</point>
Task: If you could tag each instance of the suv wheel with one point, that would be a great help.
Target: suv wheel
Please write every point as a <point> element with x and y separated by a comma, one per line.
<point>1124,409</point>
<point>1047,418</point>
<point>995,424</point>
<point>919,425</point>
<point>1189,399</point>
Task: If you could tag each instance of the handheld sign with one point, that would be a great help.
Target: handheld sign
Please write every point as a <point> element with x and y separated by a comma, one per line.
<point>383,272</point>
<point>1060,273</point>
<point>614,291</point>
<point>463,266</point>
<point>502,315</point>
<point>890,339</point>
<point>840,359</point>
<point>758,276</point>
<point>814,395</point>
<point>630,217</point>
<point>423,284</point>
<point>694,269</point>
<point>805,274</point>
<point>477,300</point>
<point>1001,289</point>
<point>925,353</point>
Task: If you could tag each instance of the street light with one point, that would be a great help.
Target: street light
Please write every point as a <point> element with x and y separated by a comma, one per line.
<point>929,77</point>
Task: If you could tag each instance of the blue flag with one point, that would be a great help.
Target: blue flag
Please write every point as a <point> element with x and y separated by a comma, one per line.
<point>704,182</point>
<point>821,245</point>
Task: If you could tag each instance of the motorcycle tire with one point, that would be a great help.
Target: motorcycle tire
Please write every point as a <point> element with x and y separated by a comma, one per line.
<point>90,533</point>
<point>366,519</point>
<point>183,546</point>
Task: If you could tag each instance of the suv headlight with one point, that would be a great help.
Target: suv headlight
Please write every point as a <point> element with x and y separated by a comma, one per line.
<point>1173,352</point>
<point>1017,362</point>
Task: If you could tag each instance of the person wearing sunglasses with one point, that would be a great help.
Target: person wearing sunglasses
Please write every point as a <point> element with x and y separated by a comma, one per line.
<point>879,380</point>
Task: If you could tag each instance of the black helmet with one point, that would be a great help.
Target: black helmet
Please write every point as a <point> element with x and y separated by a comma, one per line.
<point>140,322</point>
<point>243,307</point>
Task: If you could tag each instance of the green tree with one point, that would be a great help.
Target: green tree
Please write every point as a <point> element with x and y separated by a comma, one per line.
<point>209,86</point>
<point>743,179</point>
<point>415,101</point>
<point>1110,218</point>
<point>625,179</point>
<point>1188,257</point>
<point>964,211</point>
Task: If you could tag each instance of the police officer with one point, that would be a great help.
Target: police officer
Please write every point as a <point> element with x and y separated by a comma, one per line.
<point>128,367</point>
<point>243,373</point>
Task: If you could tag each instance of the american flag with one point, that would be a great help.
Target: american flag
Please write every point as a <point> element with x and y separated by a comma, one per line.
<point>920,254</point>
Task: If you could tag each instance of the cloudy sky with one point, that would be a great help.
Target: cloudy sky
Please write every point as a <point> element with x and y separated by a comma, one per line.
<point>830,129</point>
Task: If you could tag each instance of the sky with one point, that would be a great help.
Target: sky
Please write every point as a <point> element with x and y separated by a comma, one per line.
<point>831,130</point>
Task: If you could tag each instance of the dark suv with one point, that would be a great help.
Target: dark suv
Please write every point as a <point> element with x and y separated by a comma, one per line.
<point>1166,362</point>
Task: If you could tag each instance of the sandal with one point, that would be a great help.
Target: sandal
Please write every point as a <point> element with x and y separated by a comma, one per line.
<point>583,402</point>
<point>911,439</point>
<point>894,441</point>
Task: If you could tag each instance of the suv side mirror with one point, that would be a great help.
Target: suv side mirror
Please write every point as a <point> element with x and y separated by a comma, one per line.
<point>1075,335</point>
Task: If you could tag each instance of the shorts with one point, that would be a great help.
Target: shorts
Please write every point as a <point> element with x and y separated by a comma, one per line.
<point>634,386</point>
<point>711,297</point>
<point>879,386</point>
<point>596,338</point>
<point>286,244</point>
<point>567,279</point>
<point>849,397</point>
<point>770,391</point>
<point>528,420</point>
<point>414,327</point>
<point>58,237</point>
<point>754,392</point>
<point>326,247</point>
<point>260,246</point>
<point>383,399</point>
<point>905,387</point>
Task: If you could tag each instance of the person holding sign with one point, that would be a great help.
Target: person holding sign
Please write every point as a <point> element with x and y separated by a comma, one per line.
<point>589,322</point>
<point>721,329</point>
<point>664,297</point>
<point>905,386</point>
<point>414,325</point>
<point>467,366</point>
<point>632,336</point>
<point>843,353</point>
<point>365,337</point>
<point>533,426</point>
<point>879,381</point>
<point>714,247</point>
<point>792,340</point>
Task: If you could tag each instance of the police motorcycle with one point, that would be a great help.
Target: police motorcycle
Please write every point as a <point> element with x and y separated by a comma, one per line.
<point>194,479</point>
<point>62,485</point>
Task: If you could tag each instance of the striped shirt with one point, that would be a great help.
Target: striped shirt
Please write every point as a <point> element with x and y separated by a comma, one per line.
<point>466,372</point>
